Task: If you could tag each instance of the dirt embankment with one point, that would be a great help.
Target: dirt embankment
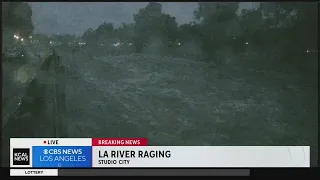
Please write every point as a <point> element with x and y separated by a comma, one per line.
<point>17,75</point>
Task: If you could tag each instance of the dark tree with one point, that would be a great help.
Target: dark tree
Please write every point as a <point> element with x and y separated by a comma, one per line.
<point>17,17</point>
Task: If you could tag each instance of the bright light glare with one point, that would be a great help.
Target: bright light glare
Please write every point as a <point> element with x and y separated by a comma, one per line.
<point>116,45</point>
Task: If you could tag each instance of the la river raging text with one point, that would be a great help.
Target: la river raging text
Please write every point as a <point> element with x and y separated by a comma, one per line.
<point>124,156</point>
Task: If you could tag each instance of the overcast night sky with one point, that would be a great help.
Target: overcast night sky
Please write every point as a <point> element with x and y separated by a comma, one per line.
<point>75,17</point>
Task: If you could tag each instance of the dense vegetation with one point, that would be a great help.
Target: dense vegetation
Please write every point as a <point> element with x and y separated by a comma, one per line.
<point>284,30</point>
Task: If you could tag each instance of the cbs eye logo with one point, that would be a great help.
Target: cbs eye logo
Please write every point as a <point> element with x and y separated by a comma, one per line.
<point>21,156</point>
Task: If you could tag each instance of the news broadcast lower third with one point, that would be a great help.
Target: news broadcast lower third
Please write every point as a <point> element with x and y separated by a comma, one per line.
<point>44,157</point>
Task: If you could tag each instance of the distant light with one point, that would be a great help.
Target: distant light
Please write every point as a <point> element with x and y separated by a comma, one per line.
<point>247,43</point>
<point>50,42</point>
<point>179,44</point>
<point>21,39</point>
<point>130,44</point>
<point>22,55</point>
<point>30,37</point>
<point>116,45</point>
<point>307,51</point>
<point>234,38</point>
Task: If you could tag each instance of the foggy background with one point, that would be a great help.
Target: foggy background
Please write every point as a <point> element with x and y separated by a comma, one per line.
<point>76,17</point>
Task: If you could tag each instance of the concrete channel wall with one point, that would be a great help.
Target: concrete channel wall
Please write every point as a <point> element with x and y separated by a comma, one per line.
<point>17,76</point>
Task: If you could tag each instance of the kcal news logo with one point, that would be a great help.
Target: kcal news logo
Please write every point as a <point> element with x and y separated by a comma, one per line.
<point>21,156</point>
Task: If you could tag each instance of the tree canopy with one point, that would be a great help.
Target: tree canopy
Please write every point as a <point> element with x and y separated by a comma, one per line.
<point>283,28</point>
<point>16,16</point>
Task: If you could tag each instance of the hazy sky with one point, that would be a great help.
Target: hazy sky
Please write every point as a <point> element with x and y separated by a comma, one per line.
<point>75,17</point>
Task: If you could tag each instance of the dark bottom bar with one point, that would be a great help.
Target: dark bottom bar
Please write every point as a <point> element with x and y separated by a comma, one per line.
<point>154,172</point>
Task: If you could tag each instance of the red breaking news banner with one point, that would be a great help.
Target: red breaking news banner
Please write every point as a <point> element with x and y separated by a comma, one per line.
<point>119,141</point>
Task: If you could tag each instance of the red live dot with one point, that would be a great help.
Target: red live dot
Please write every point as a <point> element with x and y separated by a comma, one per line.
<point>44,142</point>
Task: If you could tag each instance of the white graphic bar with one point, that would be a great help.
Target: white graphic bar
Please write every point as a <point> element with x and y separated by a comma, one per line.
<point>33,172</point>
<point>201,156</point>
